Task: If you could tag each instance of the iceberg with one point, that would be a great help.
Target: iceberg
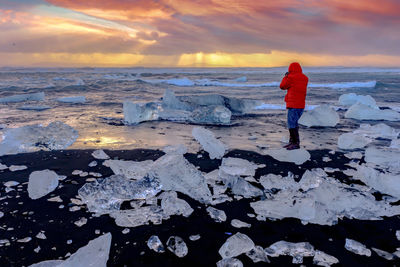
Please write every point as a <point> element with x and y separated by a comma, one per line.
<point>323,259</point>
<point>297,156</point>
<point>215,148</point>
<point>352,141</point>
<point>357,248</point>
<point>72,99</point>
<point>170,101</point>
<point>360,111</point>
<point>352,98</point>
<point>235,245</point>
<point>242,79</point>
<point>135,113</point>
<point>41,183</point>
<point>321,116</point>
<point>241,187</point>
<point>239,224</point>
<point>57,135</point>
<point>23,97</point>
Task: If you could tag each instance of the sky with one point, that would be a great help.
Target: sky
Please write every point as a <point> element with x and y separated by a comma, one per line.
<point>199,33</point>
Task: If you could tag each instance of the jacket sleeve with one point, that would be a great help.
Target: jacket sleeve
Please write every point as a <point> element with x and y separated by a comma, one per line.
<point>285,84</point>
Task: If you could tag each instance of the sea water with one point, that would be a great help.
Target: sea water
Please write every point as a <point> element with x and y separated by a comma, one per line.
<point>99,120</point>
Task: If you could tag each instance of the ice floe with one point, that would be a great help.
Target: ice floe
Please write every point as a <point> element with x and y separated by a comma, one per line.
<point>215,148</point>
<point>172,205</point>
<point>57,135</point>
<point>321,116</point>
<point>41,183</point>
<point>379,130</point>
<point>239,224</point>
<point>32,107</point>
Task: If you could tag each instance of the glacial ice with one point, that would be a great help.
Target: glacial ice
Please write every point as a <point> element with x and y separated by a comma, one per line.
<point>257,254</point>
<point>242,79</point>
<point>295,250</point>
<point>135,113</point>
<point>380,130</point>
<point>271,181</point>
<point>322,116</point>
<point>395,144</point>
<point>241,187</point>
<point>323,259</point>
<point>95,253</point>
<point>324,202</point>
<point>106,195</point>
<point>216,214</point>
<point>72,99</point>
<point>41,183</point>
<point>175,173</point>
<point>211,115</point>
<point>297,156</point>
<point>360,111</point>
<point>352,98</point>
<point>57,135</point>
<point>170,101</point>
<point>172,205</point>
<point>357,248</point>
<point>385,158</point>
<point>229,262</point>
<point>352,141</point>
<point>155,244</point>
<point>239,224</point>
<point>237,166</point>
<point>129,169</point>
<point>384,254</point>
<point>235,245</point>
<point>138,216</point>
<point>100,154</point>
<point>215,148</point>
<point>176,245</point>
<point>23,97</point>
<point>31,107</point>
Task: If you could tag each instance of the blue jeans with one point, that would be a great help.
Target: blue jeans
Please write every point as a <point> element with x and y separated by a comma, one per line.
<point>293,117</point>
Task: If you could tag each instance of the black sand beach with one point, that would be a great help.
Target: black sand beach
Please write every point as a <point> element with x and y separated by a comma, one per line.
<point>28,217</point>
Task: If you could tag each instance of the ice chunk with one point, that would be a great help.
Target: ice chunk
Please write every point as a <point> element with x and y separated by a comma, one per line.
<point>295,250</point>
<point>32,107</point>
<point>176,245</point>
<point>155,244</point>
<point>56,135</point>
<point>3,167</point>
<point>237,166</point>
<point>216,215</point>
<point>357,248</point>
<point>211,115</point>
<point>385,158</point>
<point>100,154</point>
<point>106,195</point>
<point>243,188</point>
<point>236,245</point>
<point>242,79</point>
<point>395,143</point>
<point>177,149</point>
<point>215,148</point>
<point>172,205</point>
<point>239,224</point>
<point>72,99</point>
<point>41,183</point>
<point>323,259</point>
<point>49,263</point>
<point>384,254</point>
<point>379,130</point>
<point>11,183</point>
<point>135,113</point>
<point>130,169</point>
<point>352,98</point>
<point>297,156</point>
<point>14,168</point>
<point>360,111</point>
<point>271,181</point>
<point>229,262</point>
<point>323,116</point>
<point>138,216</point>
<point>82,221</point>
<point>23,97</point>
<point>257,254</point>
<point>177,174</point>
<point>170,101</point>
<point>311,179</point>
<point>352,141</point>
<point>398,235</point>
<point>194,237</point>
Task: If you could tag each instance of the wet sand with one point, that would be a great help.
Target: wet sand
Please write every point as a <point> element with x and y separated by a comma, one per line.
<point>131,250</point>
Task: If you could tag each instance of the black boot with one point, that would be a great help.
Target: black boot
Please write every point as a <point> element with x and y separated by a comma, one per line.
<point>296,140</point>
<point>291,139</point>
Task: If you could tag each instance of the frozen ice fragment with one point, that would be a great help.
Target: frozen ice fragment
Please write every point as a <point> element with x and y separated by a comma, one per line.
<point>130,169</point>
<point>352,141</point>
<point>194,237</point>
<point>155,244</point>
<point>172,205</point>
<point>41,183</point>
<point>360,111</point>
<point>239,224</point>
<point>23,97</point>
<point>11,183</point>
<point>72,99</point>
<point>82,221</point>
<point>135,113</point>
<point>229,262</point>
<point>176,245</point>
<point>139,216</point>
<point>238,166</point>
<point>257,254</point>
<point>236,245</point>
<point>240,187</point>
<point>14,168</point>
<point>321,116</point>
<point>357,248</point>
<point>323,259</point>
<point>297,156</point>
<point>352,98</point>
<point>215,148</point>
<point>384,254</point>
<point>216,214</point>
<point>378,130</point>
<point>100,154</point>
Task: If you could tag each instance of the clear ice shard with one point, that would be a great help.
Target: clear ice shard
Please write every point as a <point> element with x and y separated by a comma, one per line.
<point>229,262</point>
<point>135,113</point>
<point>381,130</point>
<point>129,169</point>
<point>237,166</point>
<point>235,245</point>
<point>295,250</point>
<point>271,181</point>
<point>176,245</point>
<point>24,97</point>
<point>360,111</point>
<point>352,141</point>
<point>41,183</point>
<point>352,98</point>
<point>211,115</point>
<point>175,173</point>
<point>357,248</point>
<point>170,101</point>
<point>384,158</point>
<point>243,188</point>
<point>239,224</point>
<point>155,244</point>
<point>138,216</point>
<point>384,254</point>
<point>215,148</point>
<point>257,254</point>
<point>321,116</point>
<point>323,259</point>
<point>172,205</point>
<point>57,135</point>
<point>216,214</point>
<point>95,253</point>
<point>297,156</point>
<point>100,154</point>
<point>106,195</point>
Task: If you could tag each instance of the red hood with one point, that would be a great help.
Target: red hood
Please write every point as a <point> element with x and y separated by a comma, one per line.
<point>295,68</point>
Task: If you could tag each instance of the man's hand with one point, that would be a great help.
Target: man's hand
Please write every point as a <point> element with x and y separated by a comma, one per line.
<point>287,73</point>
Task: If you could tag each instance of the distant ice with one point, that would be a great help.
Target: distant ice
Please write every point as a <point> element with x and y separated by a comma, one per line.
<point>23,97</point>
<point>72,99</point>
<point>31,107</point>
<point>352,98</point>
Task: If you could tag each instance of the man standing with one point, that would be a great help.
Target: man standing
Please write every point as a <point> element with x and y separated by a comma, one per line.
<point>295,82</point>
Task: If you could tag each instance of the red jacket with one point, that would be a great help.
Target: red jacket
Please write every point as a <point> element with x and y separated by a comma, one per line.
<point>296,85</point>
